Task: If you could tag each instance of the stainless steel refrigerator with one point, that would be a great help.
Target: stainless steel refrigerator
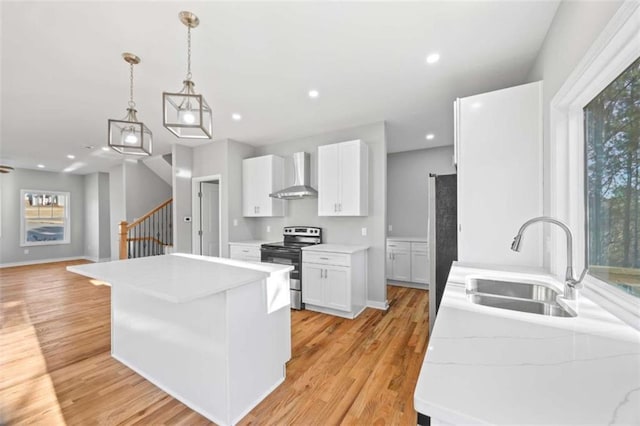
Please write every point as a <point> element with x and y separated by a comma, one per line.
<point>443,236</point>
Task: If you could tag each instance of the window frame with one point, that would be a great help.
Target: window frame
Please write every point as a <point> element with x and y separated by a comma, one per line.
<point>23,219</point>
<point>615,49</point>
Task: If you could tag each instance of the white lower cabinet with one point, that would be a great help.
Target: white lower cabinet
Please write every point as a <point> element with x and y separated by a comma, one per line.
<point>334,282</point>
<point>244,252</point>
<point>408,261</point>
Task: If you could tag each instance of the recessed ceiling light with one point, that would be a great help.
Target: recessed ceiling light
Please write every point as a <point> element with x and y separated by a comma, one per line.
<point>41,166</point>
<point>313,93</point>
<point>430,136</point>
<point>476,105</point>
<point>71,157</point>
<point>433,58</point>
<point>105,148</point>
<point>236,116</point>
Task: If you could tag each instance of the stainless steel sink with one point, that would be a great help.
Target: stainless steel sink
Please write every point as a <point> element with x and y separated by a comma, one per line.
<point>521,305</point>
<point>516,296</point>
<point>519,290</point>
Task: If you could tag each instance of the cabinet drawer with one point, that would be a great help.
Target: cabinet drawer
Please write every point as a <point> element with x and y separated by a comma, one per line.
<point>339,259</point>
<point>243,252</point>
<point>398,245</point>
<point>419,247</point>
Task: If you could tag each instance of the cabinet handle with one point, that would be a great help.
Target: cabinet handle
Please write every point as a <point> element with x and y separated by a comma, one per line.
<point>245,251</point>
<point>335,208</point>
<point>324,258</point>
<point>339,207</point>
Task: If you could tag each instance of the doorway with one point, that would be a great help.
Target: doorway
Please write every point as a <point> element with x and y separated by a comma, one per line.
<point>206,204</point>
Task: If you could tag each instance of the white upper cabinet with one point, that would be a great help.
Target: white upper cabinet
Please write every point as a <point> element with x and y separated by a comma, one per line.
<point>343,179</point>
<point>262,176</point>
<point>499,156</point>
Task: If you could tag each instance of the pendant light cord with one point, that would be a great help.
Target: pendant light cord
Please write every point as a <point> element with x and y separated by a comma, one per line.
<point>132,104</point>
<point>189,53</point>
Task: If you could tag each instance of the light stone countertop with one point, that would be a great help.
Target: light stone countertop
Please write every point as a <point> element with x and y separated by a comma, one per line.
<point>495,366</point>
<point>408,239</point>
<point>179,278</point>
<point>335,248</point>
<point>253,243</point>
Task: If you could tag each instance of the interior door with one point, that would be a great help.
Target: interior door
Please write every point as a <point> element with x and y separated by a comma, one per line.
<point>209,219</point>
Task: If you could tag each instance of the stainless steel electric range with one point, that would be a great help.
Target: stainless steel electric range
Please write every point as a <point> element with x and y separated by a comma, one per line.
<point>289,252</point>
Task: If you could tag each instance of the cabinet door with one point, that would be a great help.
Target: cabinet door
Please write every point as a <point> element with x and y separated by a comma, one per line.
<point>420,267</point>
<point>262,185</point>
<point>312,287</point>
<point>337,288</point>
<point>402,265</point>
<point>328,180</point>
<point>499,175</point>
<point>389,264</point>
<point>248,188</point>
<point>349,188</point>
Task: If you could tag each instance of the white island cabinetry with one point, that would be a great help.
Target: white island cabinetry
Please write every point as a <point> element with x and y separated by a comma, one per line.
<point>213,333</point>
<point>335,279</point>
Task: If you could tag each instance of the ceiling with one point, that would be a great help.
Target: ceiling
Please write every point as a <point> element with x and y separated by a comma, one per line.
<point>62,74</point>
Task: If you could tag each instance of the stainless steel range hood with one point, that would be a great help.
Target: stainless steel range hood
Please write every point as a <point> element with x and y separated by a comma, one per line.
<point>301,187</point>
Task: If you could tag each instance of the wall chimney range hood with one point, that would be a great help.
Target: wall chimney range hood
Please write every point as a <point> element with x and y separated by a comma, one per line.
<point>301,187</point>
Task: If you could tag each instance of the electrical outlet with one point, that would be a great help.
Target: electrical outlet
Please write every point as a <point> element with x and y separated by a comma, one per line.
<point>390,228</point>
<point>364,232</point>
<point>235,222</point>
<point>268,228</point>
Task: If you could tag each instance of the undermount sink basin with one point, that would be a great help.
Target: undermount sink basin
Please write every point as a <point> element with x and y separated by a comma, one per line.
<point>516,296</point>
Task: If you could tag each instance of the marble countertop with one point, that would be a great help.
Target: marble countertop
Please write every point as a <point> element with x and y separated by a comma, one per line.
<point>179,278</point>
<point>335,248</point>
<point>409,239</point>
<point>252,243</point>
<point>495,366</point>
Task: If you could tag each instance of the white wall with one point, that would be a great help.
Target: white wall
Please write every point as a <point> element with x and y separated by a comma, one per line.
<point>574,28</point>
<point>97,241</point>
<point>407,188</point>
<point>10,202</point>
<point>144,189</point>
<point>182,158</point>
<point>339,230</point>
<point>133,191</point>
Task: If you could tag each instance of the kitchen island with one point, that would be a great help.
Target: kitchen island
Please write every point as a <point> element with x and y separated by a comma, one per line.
<point>213,333</point>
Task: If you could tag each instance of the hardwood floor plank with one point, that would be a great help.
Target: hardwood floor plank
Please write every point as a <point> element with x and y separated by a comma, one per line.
<point>56,368</point>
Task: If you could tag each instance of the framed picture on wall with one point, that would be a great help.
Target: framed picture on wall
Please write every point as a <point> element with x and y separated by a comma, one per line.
<point>44,217</point>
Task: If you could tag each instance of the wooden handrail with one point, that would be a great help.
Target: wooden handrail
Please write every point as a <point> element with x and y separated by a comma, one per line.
<point>141,219</point>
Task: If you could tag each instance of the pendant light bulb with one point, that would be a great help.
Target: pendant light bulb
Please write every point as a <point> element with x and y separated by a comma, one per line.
<point>129,136</point>
<point>186,116</point>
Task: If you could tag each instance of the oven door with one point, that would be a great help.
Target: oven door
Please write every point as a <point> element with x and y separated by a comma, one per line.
<point>284,257</point>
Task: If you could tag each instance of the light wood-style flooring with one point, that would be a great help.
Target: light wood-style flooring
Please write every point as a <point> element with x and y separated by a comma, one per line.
<point>55,366</point>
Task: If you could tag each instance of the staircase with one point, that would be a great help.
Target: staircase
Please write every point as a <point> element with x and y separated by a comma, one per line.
<point>150,235</point>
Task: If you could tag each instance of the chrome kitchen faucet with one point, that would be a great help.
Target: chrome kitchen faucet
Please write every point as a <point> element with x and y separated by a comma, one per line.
<point>571,285</point>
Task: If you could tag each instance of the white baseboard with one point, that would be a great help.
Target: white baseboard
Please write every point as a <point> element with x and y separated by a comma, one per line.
<point>408,284</point>
<point>378,305</point>
<point>39,261</point>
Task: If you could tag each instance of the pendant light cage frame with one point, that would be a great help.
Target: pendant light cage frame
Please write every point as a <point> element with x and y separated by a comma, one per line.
<point>129,135</point>
<point>187,114</point>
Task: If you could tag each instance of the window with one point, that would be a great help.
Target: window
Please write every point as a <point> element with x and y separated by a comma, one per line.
<point>612,138</point>
<point>45,217</point>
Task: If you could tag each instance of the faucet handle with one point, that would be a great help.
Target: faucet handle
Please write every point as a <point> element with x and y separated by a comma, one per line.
<point>578,283</point>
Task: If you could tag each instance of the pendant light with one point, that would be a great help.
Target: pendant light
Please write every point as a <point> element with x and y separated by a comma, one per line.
<point>128,135</point>
<point>186,114</point>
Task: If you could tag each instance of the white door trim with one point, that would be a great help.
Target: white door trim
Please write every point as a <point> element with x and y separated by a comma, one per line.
<point>195,211</point>
<point>617,46</point>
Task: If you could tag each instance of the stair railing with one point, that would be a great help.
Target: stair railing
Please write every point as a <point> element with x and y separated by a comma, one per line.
<point>149,235</point>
